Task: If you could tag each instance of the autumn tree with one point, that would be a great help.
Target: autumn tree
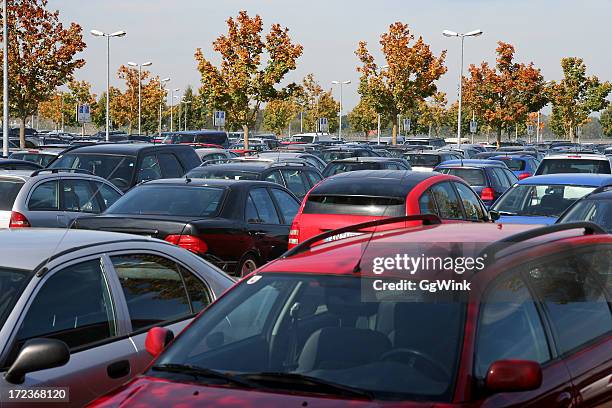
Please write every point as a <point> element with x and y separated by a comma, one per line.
<point>41,56</point>
<point>315,103</point>
<point>52,109</point>
<point>410,76</point>
<point>245,81</point>
<point>198,115</point>
<point>606,121</point>
<point>363,118</point>
<point>432,114</point>
<point>278,113</point>
<point>576,96</point>
<point>504,95</point>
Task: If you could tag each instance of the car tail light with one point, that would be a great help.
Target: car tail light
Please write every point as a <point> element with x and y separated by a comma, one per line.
<point>524,176</point>
<point>294,234</point>
<point>18,220</point>
<point>189,242</point>
<point>487,194</point>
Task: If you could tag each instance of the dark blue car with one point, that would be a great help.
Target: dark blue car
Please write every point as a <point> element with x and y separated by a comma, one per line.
<point>488,178</point>
<point>522,166</point>
<point>542,199</point>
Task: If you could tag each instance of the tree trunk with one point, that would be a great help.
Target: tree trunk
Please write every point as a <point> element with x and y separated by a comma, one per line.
<point>499,136</point>
<point>21,132</point>
<point>394,133</point>
<point>572,136</point>
<point>245,128</point>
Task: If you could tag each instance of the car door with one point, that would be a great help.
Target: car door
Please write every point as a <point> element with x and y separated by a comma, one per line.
<point>510,327</point>
<point>74,303</point>
<point>574,288</point>
<point>264,224</point>
<point>77,198</point>
<point>43,204</point>
<point>155,291</point>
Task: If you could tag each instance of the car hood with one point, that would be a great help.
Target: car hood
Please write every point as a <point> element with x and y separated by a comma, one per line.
<point>155,392</point>
<point>522,219</point>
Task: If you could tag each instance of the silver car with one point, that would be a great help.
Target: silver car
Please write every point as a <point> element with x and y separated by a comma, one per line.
<point>52,198</point>
<point>75,306</point>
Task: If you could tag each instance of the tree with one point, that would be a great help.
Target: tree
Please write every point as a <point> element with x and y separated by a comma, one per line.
<point>41,56</point>
<point>278,113</point>
<point>410,76</point>
<point>503,96</point>
<point>80,94</point>
<point>363,118</point>
<point>432,114</point>
<point>315,103</point>
<point>244,82</point>
<point>576,96</point>
<point>52,109</point>
<point>606,121</point>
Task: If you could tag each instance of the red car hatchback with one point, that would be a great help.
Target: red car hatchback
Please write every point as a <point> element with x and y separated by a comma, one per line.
<point>366,195</point>
<point>533,328</point>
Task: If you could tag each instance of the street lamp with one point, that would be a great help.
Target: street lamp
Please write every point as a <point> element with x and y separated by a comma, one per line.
<point>161,101</point>
<point>97,33</point>
<point>448,33</point>
<point>172,91</point>
<point>340,112</point>
<point>186,104</point>
<point>61,95</point>
<point>144,64</point>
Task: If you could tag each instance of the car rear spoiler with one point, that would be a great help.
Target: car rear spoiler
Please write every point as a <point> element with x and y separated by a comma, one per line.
<point>427,219</point>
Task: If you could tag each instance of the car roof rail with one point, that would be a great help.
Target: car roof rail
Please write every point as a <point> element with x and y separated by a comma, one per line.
<point>62,170</point>
<point>590,228</point>
<point>428,219</point>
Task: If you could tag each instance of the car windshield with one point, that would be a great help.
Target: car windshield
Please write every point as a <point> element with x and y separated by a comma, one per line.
<point>540,200</point>
<point>554,166</point>
<point>423,160</point>
<point>279,326</point>
<point>513,164</point>
<point>172,200</point>
<point>222,174</point>
<point>337,155</point>
<point>119,170</point>
<point>337,168</point>
<point>474,177</point>
<point>597,211</point>
<point>9,188</point>
<point>355,205</point>
<point>12,282</point>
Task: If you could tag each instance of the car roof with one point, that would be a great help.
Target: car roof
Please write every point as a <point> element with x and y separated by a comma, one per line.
<point>472,163</point>
<point>18,174</point>
<point>394,183</point>
<point>579,179</point>
<point>511,157</point>
<point>209,182</point>
<point>207,150</point>
<point>49,242</point>
<point>576,155</point>
<point>131,149</point>
<point>368,159</point>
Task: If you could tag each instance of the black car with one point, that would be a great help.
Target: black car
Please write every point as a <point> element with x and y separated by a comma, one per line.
<point>296,177</point>
<point>127,164</point>
<point>236,225</point>
<point>15,164</point>
<point>595,207</point>
<point>335,153</point>
<point>365,163</point>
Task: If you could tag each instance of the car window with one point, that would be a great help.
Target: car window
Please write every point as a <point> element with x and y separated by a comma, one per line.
<point>471,204</point>
<point>392,166</point>
<point>264,207</point>
<point>497,181</point>
<point>511,177</point>
<point>574,297</point>
<point>275,177</point>
<point>171,168</point>
<point>45,197</point>
<point>509,326</point>
<point>77,196</point>
<point>108,194</point>
<point>74,305</point>
<point>447,201</point>
<point>8,193</point>
<point>474,177</point>
<point>505,182</point>
<point>427,204</point>
<point>288,205</point>
<point>153,289</point>
<point>199,294</point>
<point>295,182</point>
<point>313,178</point>
<point>149,169</point>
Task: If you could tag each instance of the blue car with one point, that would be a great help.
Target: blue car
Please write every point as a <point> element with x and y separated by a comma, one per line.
<point>542,199</point>
<point>522,166</point>
<point>488,178</point>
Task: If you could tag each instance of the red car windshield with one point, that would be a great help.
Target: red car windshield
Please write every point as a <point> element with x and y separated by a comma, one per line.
<point>275,326</point>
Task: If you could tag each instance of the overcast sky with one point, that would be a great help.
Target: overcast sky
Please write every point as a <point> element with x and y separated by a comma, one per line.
<point>168,32</point>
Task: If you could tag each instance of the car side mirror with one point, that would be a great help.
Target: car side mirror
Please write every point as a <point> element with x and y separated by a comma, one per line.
<point>157,340</point>
<point>513,376</point>
<point>35,355</point>
<point>494,215</point>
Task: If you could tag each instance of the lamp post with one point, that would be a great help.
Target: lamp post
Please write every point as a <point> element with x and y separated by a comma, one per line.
<point>5,92</point>
<point>61,95</point>
<point>185,121</point>
<point>144,64</point>
<point>97,33</point>
<point>340,112</point>
<point>180,104</point>
<point>172,91</point>
<point>448,33</point>
<point>161,102</point>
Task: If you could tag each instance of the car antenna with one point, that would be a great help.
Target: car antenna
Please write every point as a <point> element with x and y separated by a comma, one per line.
<point>187,179</point>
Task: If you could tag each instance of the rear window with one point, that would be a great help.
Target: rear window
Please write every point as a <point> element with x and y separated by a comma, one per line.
<point>423,160</point>
<point>514,164</point>
<point>221,174</point>
<point>8,192</point>
<point>355,205</point>
<point>474,177</point>
<point>338,168</point>
<point>335,155</point>
<point>170,200</point>
<point>555,166</point>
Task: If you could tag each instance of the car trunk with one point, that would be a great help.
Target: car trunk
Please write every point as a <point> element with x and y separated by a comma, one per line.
<point>143,225</point>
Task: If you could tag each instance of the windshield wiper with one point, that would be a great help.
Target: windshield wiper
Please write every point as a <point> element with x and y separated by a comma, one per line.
<point>319,385</point>
<point>200,372</point>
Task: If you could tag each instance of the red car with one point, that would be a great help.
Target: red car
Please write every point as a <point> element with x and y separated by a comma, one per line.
<point>533,328</point>
<point>366,195</point>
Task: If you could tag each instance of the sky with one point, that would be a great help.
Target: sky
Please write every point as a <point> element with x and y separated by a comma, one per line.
<point>168,32</point>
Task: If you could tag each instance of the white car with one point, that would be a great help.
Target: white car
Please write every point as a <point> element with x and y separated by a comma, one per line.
<point>575,163</point>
